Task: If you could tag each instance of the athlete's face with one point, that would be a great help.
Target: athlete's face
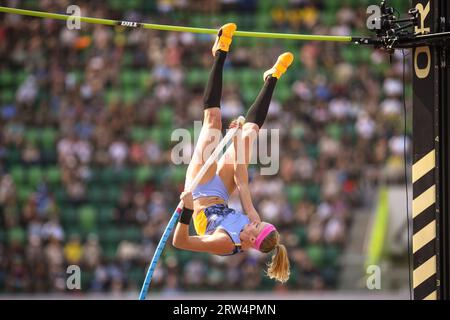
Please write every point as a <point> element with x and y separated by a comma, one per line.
<point>252,230</point>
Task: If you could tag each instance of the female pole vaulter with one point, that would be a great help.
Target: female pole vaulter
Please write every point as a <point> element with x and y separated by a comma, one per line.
<point>222,230</point>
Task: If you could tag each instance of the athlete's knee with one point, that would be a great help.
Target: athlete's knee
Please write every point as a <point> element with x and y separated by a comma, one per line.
<point>250,130</point>
<point>213,118</point>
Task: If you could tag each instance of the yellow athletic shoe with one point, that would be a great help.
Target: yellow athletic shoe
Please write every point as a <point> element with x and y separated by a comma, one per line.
<point>280,67</point>
<point>224,38</point>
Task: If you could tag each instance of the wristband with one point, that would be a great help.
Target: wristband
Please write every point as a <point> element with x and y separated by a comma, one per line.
<point>186,216</point>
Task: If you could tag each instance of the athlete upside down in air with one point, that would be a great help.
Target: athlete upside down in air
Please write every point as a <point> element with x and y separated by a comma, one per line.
<point>222,230</point>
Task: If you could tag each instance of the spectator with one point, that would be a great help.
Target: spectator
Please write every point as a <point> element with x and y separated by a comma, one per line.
<point>92,252</point>
<point>73,250</point>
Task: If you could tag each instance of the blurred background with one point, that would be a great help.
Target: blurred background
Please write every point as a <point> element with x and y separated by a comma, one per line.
<point>86,176</point>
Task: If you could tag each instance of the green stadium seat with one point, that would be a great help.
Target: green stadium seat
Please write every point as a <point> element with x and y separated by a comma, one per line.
<point>267,284</point>
<point>115,4</point>
<point>53,175</point>
<point>350,55</point>
<point>183,256</point>
<point>357,3</point>
<point>86,279</point>
<point>283,92</point>
<point>24,193</point>
<point>165,116</point>
<point>247,21</point>
<point>248,86</point>
<point>312,150</point>
<point>331,255</point>
<point>111,235</point>
<point>334,130</point>
<point>110,251</point>
<point>79,75</point>
<point>48,138</point>
<point>87,218</point>
<point>332,6</point>
<point>127,59</point>
<point>35,176</point>
<point>95,174</point>
<point>144,78</point>
<point>230,76</point>
<point>262,24</point>
<point>131,96</point>
<point>32,135</point>
<point>105,214</point>
<point>164,137</point>
<point>178,173</point>
<point>302,236</point>
<point>156,134</point>
<point>150,6</point>
<point>74,230</point>
<point>6,78</point>
<point>49,156</point>
<point>365,55</point>
<point>316,255</point>
<point>112,194</point>
<point>192,77</point>
<point>138,134</point>
<point>108,175</point>
<point>248,96</point>
<point>350,131</point>
<point>7,95</point>
<point>400,5</point>
<point>144,173</point>
<point>69,215</point>
<point>31,4</point>
<point>132,234</point>
<point>20,77</point>
<point>328,18</point>
<point>17,234</point>
<point>133,4</point>
<point>96,194</point>
<point>197,20</point>
<point>248,76</point>
<point>313,193</point>
<point>136,276</point>
<point>128,78</point>
<point>124,175</point>
<point>18,174</point>
<point>60,195</point>
<point>295,193</point>
<point>13,156</point>
<point>111,96</point>
<point>293,277</point>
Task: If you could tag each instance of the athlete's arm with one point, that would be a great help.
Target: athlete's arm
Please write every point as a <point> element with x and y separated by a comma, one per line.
<point>246,200</point>
<point>217,243</point>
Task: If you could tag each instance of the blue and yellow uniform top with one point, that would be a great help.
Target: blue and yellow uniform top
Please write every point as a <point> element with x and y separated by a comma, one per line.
<point>219,216</point>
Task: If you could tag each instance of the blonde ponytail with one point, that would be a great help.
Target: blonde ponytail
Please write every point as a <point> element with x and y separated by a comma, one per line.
<point>279,268</point>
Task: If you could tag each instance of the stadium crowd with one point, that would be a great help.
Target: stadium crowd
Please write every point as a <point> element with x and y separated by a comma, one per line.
<point>86,174</point>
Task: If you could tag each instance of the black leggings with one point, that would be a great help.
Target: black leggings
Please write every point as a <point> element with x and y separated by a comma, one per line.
<point>213,92</point>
